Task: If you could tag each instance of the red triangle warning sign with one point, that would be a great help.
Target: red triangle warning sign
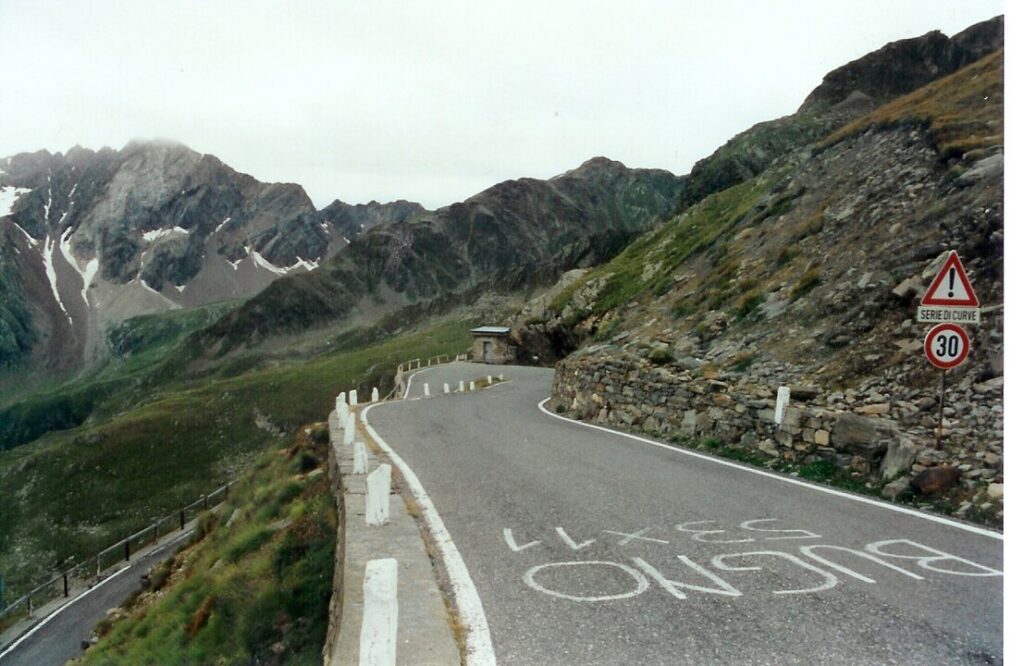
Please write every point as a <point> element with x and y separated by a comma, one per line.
<point>951,286</point>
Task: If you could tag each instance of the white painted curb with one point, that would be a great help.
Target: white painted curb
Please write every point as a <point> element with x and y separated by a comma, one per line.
<point>378,496</point>
<point>785,479</point>
<point>479,649</point>
<point>378,639</point>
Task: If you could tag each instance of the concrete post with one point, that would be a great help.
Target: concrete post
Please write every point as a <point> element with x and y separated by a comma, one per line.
<point>472,386</point>
<point>378,636</point>
<point>447,389</point>
<point>426,390</point>
<point>490,380</point>
<point>378,496</point>
<point>350,430</point>
<point>781,402</point>
<point>374,395</point>
<point>501,377</point>
<point>462,386</point>
<point>353,398</point>
<point>359,458</point>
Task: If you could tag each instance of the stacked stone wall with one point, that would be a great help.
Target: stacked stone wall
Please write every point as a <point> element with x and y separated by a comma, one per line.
<point>618,389</point>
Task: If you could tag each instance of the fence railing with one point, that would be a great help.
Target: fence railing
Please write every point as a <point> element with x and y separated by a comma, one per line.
<point>90,570</point>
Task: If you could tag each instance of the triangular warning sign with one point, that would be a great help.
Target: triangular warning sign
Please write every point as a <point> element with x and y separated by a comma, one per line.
<point>951,286</point>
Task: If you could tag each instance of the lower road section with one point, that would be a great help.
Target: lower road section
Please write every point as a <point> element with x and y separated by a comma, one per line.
<point>590,547</point>
<point>59,637</point>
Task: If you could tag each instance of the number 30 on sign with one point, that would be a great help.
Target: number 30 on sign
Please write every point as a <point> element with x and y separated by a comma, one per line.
<point>946,346</point>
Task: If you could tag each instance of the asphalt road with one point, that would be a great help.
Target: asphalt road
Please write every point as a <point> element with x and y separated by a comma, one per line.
<point>60,638</point>
<point>588,547</point>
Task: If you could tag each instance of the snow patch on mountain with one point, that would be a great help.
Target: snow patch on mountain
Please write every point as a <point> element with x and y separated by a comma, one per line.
<point>31,241</point>
<point>8,197</point>
<point>48,248</point>
<point>157,234</point>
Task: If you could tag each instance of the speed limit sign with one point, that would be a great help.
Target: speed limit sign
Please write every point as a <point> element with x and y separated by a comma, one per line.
<point>946,346</point>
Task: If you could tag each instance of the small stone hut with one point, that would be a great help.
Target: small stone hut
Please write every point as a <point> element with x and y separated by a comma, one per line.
<point>491,344</point>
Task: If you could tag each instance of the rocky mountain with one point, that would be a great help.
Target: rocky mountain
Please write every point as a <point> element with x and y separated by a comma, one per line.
<point>89,238</point>
<point>517,233</point>
<point>843,95</point>
<point>804,269</point>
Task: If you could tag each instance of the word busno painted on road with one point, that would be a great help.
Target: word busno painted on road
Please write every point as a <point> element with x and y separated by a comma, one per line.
<point>374,395</point>
<point>378,636</point>
<point>378,496</point>
<point>359,462</point>
<point>781,402</point>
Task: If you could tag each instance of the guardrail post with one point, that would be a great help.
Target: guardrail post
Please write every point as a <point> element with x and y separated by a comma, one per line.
<point>127,551</point>
<point>227,490</point>
<point>374,395</point>
<point>359,458</point>
<point>353,397</point>
<point>472,386</point>
<point>426,390</point>
<point>206,502</point>
<point>181,518</point>
<point>462,386</point>
<point>65,586</point>
<point>490,380</point>
<point>97,567</point>
<point>447,389</point>
<point>378,496</point>
<point>30,608</point>
<point>350,430</point>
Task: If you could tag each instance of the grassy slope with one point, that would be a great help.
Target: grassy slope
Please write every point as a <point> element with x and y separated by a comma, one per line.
<point>256,587</point>
<point>73,492</point>
<point>962,112</point>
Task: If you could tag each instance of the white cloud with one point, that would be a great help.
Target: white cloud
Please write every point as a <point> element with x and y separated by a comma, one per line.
<point>429,101</point>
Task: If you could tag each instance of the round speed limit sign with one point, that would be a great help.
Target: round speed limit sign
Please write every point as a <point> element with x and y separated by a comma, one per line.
<point>946,346</point>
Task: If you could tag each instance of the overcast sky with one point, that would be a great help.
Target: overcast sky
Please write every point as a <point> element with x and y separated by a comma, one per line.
<point>429,101</point>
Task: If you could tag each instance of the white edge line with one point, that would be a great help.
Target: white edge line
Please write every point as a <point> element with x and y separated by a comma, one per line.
<point>60,610</point>
<point>408,382</point>
<point>92,589</point>
<point>771,475</point>
<point>479,650</point>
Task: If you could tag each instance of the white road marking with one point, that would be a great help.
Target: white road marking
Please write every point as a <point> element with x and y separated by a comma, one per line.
<point>830,580</point>
<point>572,543</point>
<point>793,534</point>
<point>510,540</point>
<point>479,649</point>
<point>771,475</point>
<point>675,587</point>
<point>635,536</point>
<point>698,535</point>
<point>641,582</point>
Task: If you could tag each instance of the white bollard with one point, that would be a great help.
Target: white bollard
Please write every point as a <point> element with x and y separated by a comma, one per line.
<point>378,637</point>
<point>447,389</point>
<point>472,386</point>
<point>342,409</point>
<point>353,398</point>
<point>359,458</point>
<point>426,390</point>
<point>462,386</point>
<point>490,380</point>
<point>781,402</point>
<point>378,496</point>
<point>501,378</point>
<point>374,395</point>
<point>350,429</point>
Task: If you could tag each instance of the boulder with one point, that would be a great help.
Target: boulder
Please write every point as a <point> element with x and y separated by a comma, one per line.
<point>861,435</point>
<point>894,489</point>
<point>933,480</point>
<point>898,458</point>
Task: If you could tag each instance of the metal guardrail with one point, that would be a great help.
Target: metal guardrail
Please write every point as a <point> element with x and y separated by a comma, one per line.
<point>92,568</point>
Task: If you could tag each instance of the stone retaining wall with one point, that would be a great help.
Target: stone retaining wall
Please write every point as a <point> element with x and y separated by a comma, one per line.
<point>614,387</point>
<point>337,586</point>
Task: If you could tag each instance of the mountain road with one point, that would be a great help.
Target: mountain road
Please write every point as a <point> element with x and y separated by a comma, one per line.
<point>588,546</point>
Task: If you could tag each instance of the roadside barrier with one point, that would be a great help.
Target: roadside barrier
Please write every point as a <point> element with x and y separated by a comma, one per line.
<point>90,571</point>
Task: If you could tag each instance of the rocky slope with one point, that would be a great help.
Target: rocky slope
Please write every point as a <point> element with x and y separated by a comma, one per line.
<point>806,272</point>
<point>88,239</point>
<point>515,234</point>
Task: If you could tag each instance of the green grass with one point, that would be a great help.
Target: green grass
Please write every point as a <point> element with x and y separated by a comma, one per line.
<point>644,269</point>
<point>74,492</point>
<point>256,591</point>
